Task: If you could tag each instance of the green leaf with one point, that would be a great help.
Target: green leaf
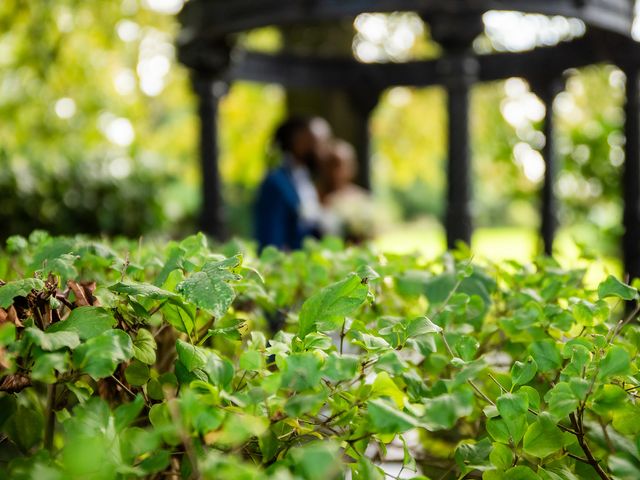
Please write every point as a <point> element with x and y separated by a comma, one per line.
<point>546,355</point>
<point>87,322</point>
<point>612,287</point>
<point>192,357</point>
<point>144,290</point>
<point>25,427</point>
<point>99,356</point>
<point>302,371</point>
<point>608,398</point>
<point>466,346</point>
<point>7,333</point>
<point>386,418</point>
<point>364,469</point>
<point>299,405</point>
<point>126,413</point>
<point>543,437</point>
<point>473,456</point>
<point>18,288</point>
<point>156,462</point>
<point>523,373</point>
<point>340,367</point>
<point>562,401</point>
<point>46,365</point>
<point>137,373</point>
<point>209,289</point>
<point>383,386</point>
<point>627,419</point>
<point>533,396</point>
<point>144,347</point>
<point>520,473</point>
<point>617,361</point>
<point>421,326</point>
<point>513,411</point>
<point>408,461</point>
<point>251,360</point>
<point>50,342</point>
<point>497,428</point>
<point>316,460</point>
<point>333,302</point>
<point>501,456</point>
<point>443,411</point>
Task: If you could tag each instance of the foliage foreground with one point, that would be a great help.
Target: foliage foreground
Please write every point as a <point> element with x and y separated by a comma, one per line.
<point>129,360</point>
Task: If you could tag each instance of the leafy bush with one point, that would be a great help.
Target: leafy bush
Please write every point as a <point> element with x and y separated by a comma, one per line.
<point>126,360</point>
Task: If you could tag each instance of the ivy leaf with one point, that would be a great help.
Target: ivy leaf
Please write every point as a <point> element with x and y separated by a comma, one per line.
<point>546,355</point>
<point>209,289</point>
<point>99,356</point>
<point>87,322</point>
<point>473,456</point>
<point>302,371</point>
<point>137,373</point>
<point>608,398</point>
<point>520,472</point>
<point>340,367</point>
<point>421,326</point>
<point>562,401</point>
<point>316,460</point>
<point>612,287</point>
<point>543,437</point>
<point>627,419</point>
<point>523,372</point>
<point>334,301</point>
<point>144,347</point>
<point>501,456</point>
<point>251,360</point>
<point>190,356</point>
<point>50,342</point>
<point>45,366</point>
<point>383,386</point>
<point>126,413</point>
<point>617,361</point>
<point>19,288</point>
<point>443,411</point>
<point>385,418</point>
<point>144,290</point>
<point>513,411</point>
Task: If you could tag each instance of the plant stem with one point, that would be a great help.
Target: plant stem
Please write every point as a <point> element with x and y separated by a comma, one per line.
<point>585,448</point>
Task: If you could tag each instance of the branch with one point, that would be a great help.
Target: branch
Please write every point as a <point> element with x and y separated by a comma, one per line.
<point>585,448</point>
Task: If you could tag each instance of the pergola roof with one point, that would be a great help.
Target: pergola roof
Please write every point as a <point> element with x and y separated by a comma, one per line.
<point>206,45</point>
<point>216,18</point>
<point>205,40</point>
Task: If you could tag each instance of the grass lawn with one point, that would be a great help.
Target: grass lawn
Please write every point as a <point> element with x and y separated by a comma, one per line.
<point>497,244</point>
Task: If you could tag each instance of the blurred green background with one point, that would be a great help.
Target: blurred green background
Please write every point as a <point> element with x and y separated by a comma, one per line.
<point>98,133</point>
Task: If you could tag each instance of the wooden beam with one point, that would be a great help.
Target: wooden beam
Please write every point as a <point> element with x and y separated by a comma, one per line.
<point>216,18</point>
<point>294,71</point>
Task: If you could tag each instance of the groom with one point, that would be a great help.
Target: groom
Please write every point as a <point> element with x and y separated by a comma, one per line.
<point>287,207</point>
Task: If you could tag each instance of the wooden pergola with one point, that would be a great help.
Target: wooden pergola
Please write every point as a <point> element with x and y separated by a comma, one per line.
<point>207,47</point>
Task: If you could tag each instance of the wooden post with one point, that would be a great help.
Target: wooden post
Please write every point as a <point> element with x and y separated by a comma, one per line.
<point>547,90</point>
<point>212,216</point>
<point>363,102</point>
<point>459,70</point>
<point>631,177</point>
